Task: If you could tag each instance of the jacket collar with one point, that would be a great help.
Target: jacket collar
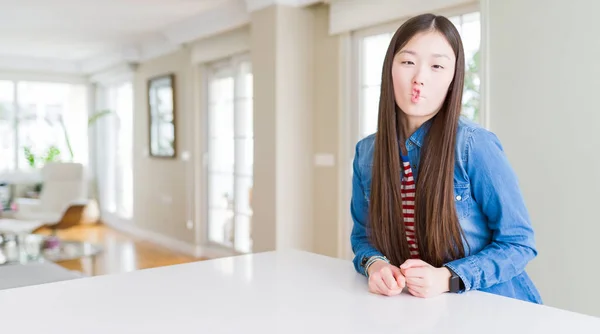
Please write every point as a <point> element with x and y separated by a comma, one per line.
<point>418,137</point>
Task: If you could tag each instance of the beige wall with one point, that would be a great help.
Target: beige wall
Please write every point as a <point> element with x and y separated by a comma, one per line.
<point>160,190</point>
<point>294,128</point>
<point>295,66</point>
<point>264,58</point>
<point>544,112</point>
<point>325,133</point>
<point>282,44</point>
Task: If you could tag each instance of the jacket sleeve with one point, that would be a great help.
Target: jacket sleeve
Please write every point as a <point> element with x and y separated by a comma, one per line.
<point>359,210</point>
<point>495,188</point>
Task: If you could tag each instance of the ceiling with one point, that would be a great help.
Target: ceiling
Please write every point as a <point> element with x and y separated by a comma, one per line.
<point>78,30</point>
<point>85,37</point>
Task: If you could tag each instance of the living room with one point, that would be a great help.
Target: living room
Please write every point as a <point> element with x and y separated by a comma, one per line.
<point>166,134</point>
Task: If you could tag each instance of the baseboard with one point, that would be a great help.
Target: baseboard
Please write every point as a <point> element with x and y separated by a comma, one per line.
<point>154,237</point>
<point>127,226</point>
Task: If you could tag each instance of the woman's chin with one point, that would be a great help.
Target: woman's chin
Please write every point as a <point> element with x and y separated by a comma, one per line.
<point>416,112</point>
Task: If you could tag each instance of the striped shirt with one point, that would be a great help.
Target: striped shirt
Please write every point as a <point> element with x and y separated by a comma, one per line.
<point>408,207</point>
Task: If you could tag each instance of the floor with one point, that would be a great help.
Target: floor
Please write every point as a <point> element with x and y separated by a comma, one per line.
<point>121,252</point>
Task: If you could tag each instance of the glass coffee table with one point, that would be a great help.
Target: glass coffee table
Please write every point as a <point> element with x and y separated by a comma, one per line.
<point>27,248</point>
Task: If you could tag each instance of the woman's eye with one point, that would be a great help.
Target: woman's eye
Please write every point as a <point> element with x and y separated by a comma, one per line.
<point>438,67</point>
<point>407,62</point>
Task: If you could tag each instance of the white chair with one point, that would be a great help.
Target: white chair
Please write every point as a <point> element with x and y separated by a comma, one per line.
<point>63,187</point>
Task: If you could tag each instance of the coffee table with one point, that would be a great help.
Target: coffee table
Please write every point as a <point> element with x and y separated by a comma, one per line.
<point>28,248</point>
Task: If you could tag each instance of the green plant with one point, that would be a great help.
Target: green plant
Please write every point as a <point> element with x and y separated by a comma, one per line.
<point>98,115</point>
<point>67,140</point>
<point>51,155</point>
<point>472,86</point>
<point>91,121</point>
<point>29,156</point>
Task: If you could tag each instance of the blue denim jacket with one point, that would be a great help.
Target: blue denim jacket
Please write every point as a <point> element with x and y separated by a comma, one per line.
<point>491,210</point>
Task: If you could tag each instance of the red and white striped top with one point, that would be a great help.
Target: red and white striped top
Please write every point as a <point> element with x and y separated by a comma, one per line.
<point>408,207</point>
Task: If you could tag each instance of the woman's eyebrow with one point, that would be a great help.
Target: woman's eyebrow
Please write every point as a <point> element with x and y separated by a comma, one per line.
<point>435,55</point>
<point>441,55</point>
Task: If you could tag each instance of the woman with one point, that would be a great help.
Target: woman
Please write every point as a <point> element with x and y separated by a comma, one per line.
<point>436,206</point>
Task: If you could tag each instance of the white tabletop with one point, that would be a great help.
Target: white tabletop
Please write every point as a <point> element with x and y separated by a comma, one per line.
<point>283,292</point>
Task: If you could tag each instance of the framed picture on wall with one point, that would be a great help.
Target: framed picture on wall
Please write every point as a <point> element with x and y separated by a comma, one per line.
<point>162,110</point>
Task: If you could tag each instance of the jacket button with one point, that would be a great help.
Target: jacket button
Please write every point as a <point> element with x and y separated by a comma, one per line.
<point>458,198</point>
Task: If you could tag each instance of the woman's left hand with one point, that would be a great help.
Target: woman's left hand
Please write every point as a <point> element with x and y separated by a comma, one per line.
<point>424,280</point>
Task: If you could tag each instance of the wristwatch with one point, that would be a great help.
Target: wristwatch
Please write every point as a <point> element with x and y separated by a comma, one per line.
<point>368,261</point>
<point>456,283</point>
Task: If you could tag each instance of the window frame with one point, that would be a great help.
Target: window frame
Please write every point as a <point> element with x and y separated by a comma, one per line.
<point>16,80</point>
<point>105,95</point>
<point>230,64</point>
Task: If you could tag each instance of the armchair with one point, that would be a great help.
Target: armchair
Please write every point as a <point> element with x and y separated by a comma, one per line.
<point>63,190</point>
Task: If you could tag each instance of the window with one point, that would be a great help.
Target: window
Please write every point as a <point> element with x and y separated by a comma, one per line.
<point>371,53</point>
<point>40,122</point>
<point>116,149</point>
<point>8,150</point>
<point>230,153</point>
<point>469,27</point>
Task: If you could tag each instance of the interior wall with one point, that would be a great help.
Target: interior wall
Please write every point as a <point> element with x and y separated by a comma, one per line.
<point>282,44</point>
<point>305,122</point>
<point>543,79</point>
<point>161,197</point>
<point>264,57</point>
<point>325,133</point>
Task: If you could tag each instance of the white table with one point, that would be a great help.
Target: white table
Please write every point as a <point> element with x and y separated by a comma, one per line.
<point>283,292</point>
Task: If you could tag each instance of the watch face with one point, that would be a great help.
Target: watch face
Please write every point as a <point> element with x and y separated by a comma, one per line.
<point>454,283</point>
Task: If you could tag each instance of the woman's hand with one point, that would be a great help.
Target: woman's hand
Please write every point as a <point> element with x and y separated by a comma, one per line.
<point>424,280</point>
<point>385,279</point>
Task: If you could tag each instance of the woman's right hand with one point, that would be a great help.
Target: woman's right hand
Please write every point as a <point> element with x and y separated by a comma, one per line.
<point>385,279</point>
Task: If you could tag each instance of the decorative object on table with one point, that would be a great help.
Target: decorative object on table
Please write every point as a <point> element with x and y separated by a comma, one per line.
<point>162,110</point>
<point>28,248</point>
<point>51,242</point>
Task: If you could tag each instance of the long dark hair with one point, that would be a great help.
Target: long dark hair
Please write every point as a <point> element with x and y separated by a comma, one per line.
<point>438,232</point>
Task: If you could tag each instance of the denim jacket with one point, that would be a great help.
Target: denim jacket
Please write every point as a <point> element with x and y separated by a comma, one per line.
<point>498,236</point>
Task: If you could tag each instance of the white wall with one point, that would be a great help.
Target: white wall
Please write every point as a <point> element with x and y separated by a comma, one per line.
<point>544,77</point>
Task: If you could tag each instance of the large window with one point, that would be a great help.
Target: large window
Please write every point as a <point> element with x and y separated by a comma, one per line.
<point>371,53</point>
<point>115,158</point>
<point>231,153</point>
<point>8,149</point>
<point>41,122</point>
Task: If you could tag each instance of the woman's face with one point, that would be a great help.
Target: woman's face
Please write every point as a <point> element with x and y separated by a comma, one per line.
<point>422,72</point>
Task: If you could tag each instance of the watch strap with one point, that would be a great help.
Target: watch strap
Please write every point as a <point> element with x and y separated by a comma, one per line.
<point>456,283</point>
